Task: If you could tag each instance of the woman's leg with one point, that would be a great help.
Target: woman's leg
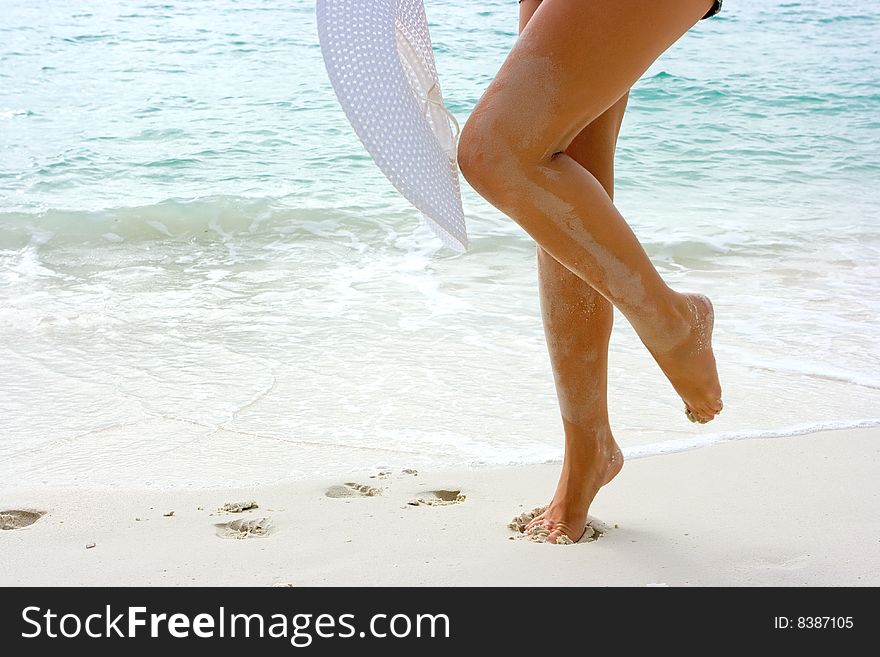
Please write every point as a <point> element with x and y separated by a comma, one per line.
<point>577,325</point>
<point>572,62</point>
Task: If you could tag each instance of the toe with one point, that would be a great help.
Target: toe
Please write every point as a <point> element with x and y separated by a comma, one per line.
<point>700,414</point>
<point>538,534</point>
<point>712,410</point>
<point>563,535</point>
<point>534,521</point>
<point>709,410</point>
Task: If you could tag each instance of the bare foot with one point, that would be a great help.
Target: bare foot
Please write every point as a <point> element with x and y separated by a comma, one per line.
<point>582,477</point>
<point>690,364</point>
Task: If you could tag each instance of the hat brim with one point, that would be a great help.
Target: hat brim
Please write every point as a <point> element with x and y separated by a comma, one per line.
<point>380,62</point>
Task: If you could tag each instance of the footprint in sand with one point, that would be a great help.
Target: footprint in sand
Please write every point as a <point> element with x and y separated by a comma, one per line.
<point>352,490</point>
<point>238,507</point>
<point>252,528</point>
<point>440,497</point>
<point>16,519</point>
<point>595,528</point>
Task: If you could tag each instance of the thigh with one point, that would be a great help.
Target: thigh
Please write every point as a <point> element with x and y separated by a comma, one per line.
<point>572,61</point>
<point>594,146</point>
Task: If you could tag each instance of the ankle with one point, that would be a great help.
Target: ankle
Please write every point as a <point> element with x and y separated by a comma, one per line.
<point>587,450</point>
<point>671,324</point>
<point>680,312</point>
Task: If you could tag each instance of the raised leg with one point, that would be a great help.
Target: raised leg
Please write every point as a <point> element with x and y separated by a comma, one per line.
<point>571,63</point>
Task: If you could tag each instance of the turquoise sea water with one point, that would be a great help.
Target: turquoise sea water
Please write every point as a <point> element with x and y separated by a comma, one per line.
<point>204,279</point>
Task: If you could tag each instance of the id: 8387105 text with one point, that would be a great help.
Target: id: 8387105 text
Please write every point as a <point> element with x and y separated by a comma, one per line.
<point>813,622</point>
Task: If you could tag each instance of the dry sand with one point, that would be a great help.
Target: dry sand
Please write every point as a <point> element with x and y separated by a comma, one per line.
<point>784,511</point>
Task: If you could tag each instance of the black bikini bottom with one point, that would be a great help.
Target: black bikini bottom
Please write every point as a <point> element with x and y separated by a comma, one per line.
<point>712,11</point>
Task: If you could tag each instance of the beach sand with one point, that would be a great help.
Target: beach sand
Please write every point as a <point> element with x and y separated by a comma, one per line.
<point>786,511</point>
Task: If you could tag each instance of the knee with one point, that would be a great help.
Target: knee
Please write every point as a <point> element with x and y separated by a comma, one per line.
<point>473,154</point>
<point>498,164</point>
<point>486,159</point>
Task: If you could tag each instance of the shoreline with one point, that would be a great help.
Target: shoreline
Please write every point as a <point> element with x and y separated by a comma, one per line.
<point>788,511</point>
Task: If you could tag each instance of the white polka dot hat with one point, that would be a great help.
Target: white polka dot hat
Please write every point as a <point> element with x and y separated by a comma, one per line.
<point>380,62</point>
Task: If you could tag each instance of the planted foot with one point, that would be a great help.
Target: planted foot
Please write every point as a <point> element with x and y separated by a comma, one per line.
<point>583,474</point>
